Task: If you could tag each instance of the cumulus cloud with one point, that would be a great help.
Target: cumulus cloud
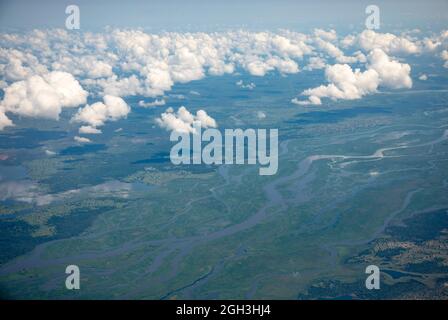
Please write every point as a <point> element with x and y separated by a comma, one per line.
<point>50,153</point>
<point>4,120</point>
<point>182,120</point>
<point>42,96</point>
<point>444,56</point>
<point>89,130</point>
<point>205,120</point>
<point>170,121</point>
<point>17,65</point>
<point>330,35</point>
<point>346,83</point>
<point>429,44</point>
<point>261,115</point>
<point>315,63</point>
<point>157,62</point>
<point>133,62</point>
<point>335,52</point>
<point>81,139</point>
<point>95,115</point>
<point>155,103</point>
<point>393,74</point>
<point>126,86</point>
<point>259,67</point>
<point>434,42</point>
<point>88,66</point>
<point>242,85</point>
<point>388,42</point>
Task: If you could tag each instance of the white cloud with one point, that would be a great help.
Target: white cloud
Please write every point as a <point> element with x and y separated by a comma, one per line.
<point>249,86</point>
<point>315,63</point>
<point>132,62</point>
<point>348,41</point>
<point>346,83</point>
<point>183,120</point>
<point>17,65</point>
<point>153,63</point>
<point>88,66</point>
<point>393,74</point>
<point>261,115</point>
<point>444,56</point>
<point>49,152</point>
<point>177,96</point>
<point>259,67</point>
<point>43,96</point>
<point>185,115</point>
<point>388,42</point>
<point>333,51</point>
<point>81,139</point>
<point>128,86</point>
<point>423,77</point>
<point>89,130</point>
<point>326,35</point>
<point>4,120</point>
<point>154,103</point>
<point>430,44</point>
<point>95,115</point>
<point>288,45</point>
<point>171,122</point>
<point>205,119</point>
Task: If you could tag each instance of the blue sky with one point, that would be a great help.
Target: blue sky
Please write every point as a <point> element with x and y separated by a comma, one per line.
<point>211,14</point>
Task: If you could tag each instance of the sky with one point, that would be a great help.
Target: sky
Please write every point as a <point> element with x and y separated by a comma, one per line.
<point>212,14</point>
